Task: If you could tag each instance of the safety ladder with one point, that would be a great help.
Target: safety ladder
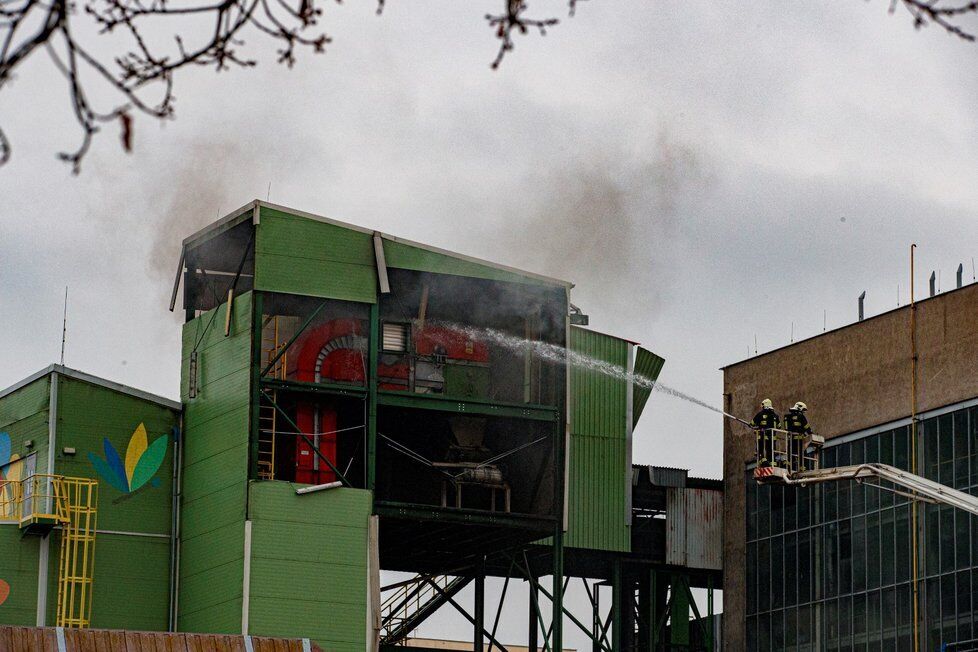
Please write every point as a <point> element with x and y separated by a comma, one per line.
<point>77,509</point>
<point>412,601</point>
<point>267,414</point>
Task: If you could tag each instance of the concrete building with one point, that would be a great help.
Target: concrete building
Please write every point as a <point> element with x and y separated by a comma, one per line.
<point>831,567</point>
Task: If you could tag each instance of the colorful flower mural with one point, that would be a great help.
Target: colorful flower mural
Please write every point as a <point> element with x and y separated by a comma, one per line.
<point>10,475</point>
<point>4,591</point>
<point>142,461</point>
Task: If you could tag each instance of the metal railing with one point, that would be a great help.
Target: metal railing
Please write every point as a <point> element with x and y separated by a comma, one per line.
<point>406,599</point>
<point>788,450</point>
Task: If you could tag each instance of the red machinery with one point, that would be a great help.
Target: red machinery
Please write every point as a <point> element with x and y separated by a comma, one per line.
<point>336,351</point>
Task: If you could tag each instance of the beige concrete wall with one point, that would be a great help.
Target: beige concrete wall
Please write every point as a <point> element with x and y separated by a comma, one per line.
<point>851,378</point>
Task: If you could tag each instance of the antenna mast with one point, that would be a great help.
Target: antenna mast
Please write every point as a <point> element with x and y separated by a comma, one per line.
<point>64,327</point>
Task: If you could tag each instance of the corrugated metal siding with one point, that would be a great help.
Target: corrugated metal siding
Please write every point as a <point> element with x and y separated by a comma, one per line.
<point>18,568</point>
<point>598,459</point>
<point>24,416</point>
<point>298,542</point>
<point>302,256</point>
<point>404,256</point>
<point>215,471</point>
<point>45,639</point>
<point>647,365</point>
<point>694,528</point>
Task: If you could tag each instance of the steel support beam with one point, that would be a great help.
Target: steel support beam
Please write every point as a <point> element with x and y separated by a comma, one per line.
<point>373,348</point>
<point>298,333</point>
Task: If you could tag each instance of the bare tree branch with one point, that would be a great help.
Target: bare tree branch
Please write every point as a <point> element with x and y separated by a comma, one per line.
<point>140,77</point>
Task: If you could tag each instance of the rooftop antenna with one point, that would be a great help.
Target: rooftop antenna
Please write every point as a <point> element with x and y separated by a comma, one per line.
<point>960,280</point>
<point>972,269</point>
<point>269,193</point>
<point>898,295</point>
<point>823,319</point>
<point>755,343</point>
<point>862,301</point>
<point>792,332</point>
<point>933,283</point>
<point>64,327</point>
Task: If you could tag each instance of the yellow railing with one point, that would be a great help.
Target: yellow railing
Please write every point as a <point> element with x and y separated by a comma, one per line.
<point>72,503</point>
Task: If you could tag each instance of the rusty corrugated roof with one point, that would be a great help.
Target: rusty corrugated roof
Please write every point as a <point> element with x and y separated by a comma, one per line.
<point>46,639</point>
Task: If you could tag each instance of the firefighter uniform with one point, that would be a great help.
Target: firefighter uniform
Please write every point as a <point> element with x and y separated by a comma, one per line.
<point>796,423</point>
<point>763,422</point>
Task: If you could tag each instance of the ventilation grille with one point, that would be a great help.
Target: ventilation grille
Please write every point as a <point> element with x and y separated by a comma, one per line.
<point>395,337</point>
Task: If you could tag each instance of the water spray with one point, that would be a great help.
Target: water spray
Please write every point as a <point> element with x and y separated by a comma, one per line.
<point>560,354</point>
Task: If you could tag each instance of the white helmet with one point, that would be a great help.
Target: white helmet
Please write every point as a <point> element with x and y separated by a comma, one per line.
<point>767,404</point>
<point>800,406</point>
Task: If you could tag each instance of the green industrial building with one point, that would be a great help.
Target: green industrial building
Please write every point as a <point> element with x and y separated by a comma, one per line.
<point>353,403</point>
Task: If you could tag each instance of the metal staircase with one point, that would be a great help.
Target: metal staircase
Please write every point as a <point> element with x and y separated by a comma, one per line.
<point>40,503</point>
<point>411,602</point>
<point>77,509</point>
<point>271,344</point>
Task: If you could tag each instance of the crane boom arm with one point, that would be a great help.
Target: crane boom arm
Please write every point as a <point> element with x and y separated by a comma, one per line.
<point>916,487</point>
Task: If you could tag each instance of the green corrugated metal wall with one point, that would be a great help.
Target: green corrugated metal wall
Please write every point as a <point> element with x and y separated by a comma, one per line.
<point>18,568</point>
<point>24,416</point>
<point>647,365</point>
<point>215,472</point>
<point>299,255</point>
<point>309,564</point>
<point>404,256</point>
<point>596,499</point>
<point>132,571</point>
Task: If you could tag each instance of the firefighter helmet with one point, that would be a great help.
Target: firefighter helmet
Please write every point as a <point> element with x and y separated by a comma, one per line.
<point>800,406</point>
<point>767,404</point>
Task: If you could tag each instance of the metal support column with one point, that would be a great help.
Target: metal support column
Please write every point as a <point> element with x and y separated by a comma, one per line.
<point>616,606</point>
<point>479,606</point>
<point>557,624</point>
<point>371,371</point>
<point>532,644</point>
<point>679,617</point>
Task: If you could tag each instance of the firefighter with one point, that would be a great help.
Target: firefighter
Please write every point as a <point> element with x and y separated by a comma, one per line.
<point>763,422</point>
<point>796,423</point>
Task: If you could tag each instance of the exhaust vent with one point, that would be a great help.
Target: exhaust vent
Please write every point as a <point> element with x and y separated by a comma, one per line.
<point>395,337</point>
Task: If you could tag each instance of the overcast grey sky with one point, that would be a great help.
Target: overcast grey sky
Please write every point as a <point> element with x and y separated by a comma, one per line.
<point>703,171</point>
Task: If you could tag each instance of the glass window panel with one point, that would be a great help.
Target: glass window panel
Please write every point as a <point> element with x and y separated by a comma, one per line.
<point>804,506</point>
<point>873,617</point>
<point>858,525</point>
<point>903,543</point>
<point>763,511</point>
<point>752,634</point>
<point>830,559</point>
<point>790,628</point>
<point>930,602</point>
<point>763,574</point>
<point>805,638</point>
<point>845,557</point>
<point>888,557</point>
<point>949,620</point>
<point>751,508</point>
<point>946,436</point>
<point>904,618</point>
<point>790,566</point>
<point>888,618</point>
<point>844,488</point>
<point>752,562</point>
<point>830,623</point>
<point>777,572</point>
<point>764,632</point>
<point>947,538</point>
<point>859,619</point>
<point>777,509</point>
<point>777,630</point>
<point>845,622</point>
<point>962,539</point>
<point>961,448</point>
<point>927,431</point>
<point>932,539</point>
<point>790,508</point>
<point>963,587</point>
<point>901,448</point>
<point>804,566</point>
<point>873,556</point>
<point>873,455</point>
